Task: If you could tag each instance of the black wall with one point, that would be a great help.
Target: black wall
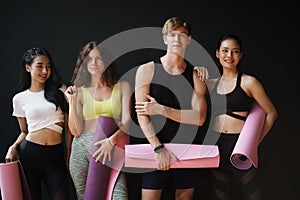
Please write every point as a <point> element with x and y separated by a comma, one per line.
<point>268,30</point>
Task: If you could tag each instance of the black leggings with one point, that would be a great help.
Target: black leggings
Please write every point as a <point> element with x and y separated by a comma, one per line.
<point>45,164</point>
<point>224,176</point>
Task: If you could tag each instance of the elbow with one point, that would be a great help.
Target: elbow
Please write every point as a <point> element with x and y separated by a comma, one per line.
<point>271,116</point>
<point>74,128</point>
<point>74,132</point>
<point>201,118</point>
<point>201,121</point>
<point>274,115</point>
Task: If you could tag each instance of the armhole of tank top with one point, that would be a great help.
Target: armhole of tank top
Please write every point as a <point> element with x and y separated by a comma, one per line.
<point>84,92</point>
<point>239,80</point>
<point>215,86</point>
<point>86,95</point>
<point>118,84</point>
<point>154,70</point>
<point>83,89</point>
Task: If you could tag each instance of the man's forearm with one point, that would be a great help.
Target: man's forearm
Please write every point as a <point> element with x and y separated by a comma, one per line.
<point>182,116</point>
<point>148,130</point>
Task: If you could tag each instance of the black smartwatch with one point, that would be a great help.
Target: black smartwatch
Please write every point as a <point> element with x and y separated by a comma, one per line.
<point>159,148</point>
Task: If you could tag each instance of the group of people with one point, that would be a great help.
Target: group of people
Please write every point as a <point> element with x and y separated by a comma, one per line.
<point>169,89</point>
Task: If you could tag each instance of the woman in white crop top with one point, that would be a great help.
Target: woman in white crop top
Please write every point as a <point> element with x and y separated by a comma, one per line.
<point>95,82</point>
<point>40,108</point>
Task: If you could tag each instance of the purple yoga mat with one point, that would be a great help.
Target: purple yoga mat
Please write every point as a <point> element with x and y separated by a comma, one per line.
<point>13,182</point>
<point>99,174</point>
<point>244,154</point>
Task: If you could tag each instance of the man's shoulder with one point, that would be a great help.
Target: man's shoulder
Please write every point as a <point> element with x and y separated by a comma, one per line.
<point>146,67</point>
<point>189,65</point>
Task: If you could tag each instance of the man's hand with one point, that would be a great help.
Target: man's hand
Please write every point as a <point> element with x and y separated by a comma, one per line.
<point>151,107</point>
<point>164,159</point>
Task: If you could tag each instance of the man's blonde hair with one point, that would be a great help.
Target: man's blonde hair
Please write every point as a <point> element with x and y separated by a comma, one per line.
<point>174,23</point>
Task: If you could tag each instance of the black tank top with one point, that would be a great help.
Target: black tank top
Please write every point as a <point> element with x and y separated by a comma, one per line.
<point>235,101</point>
<point>173,91</point>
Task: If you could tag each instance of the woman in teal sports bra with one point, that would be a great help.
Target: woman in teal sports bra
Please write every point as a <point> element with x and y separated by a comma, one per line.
<point>96,91</point>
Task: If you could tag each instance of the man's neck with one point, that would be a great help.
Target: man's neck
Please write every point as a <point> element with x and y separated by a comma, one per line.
<point>173,64</point>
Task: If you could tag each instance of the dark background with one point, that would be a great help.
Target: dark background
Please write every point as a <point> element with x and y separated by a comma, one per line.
<point>271,48</point>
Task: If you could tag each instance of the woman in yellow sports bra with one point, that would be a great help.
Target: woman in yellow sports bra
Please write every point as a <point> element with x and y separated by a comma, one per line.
<point>96,91</point>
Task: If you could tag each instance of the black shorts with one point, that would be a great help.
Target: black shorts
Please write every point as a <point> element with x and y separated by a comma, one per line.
<point>178,178</point>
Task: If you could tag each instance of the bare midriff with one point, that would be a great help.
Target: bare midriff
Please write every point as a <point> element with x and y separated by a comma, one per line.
<point>227,124</point>
<point>45,136</point>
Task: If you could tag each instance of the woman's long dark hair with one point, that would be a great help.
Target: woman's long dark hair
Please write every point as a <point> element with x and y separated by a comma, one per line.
<point>81,76</point>
<point>52,86</point>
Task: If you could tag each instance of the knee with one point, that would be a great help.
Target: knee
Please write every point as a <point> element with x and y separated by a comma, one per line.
<point>184,194</point>
<point>151,194</point>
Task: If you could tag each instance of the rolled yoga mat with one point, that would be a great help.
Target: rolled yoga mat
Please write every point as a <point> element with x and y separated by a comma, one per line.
<point>244,154</point>
<point>102,178</point>
<point>13,182</point>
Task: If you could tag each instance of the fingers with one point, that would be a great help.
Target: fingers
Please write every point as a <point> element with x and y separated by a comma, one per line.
<point>143,104</point>
<point>98,143</point>
<point>71,90</point>
<point>12,155</point>
<point>140,104</point>
<point>109,156</point>
<point>206,73</point>
<point>104,159</point>
<point>100,154</point>
<point>142,112</point>
<point>202,73</point>
<point>163,159</point>
<point>149,97</point>
<point>103,152</point>
<point>140,108</point>
<point>97,154</point>
<point>166,164</point>
<point>10,159</point>
<point>164,167</point>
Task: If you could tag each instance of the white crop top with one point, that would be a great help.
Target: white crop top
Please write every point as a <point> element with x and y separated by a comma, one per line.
<point>39,112</point>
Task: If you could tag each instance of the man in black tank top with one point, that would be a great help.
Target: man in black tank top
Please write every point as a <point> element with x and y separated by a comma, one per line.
<point>169,89</point>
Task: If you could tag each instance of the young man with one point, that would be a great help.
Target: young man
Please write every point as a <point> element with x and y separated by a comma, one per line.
<point>169,89</point>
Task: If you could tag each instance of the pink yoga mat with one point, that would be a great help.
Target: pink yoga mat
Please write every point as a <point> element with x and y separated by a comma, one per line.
<point>244,154</point>
<point>13,183</point>
<point>118,162</point>
<point>189,156</point>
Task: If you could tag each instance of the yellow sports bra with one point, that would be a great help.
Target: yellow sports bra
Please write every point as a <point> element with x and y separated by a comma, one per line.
<point>111,107</point>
